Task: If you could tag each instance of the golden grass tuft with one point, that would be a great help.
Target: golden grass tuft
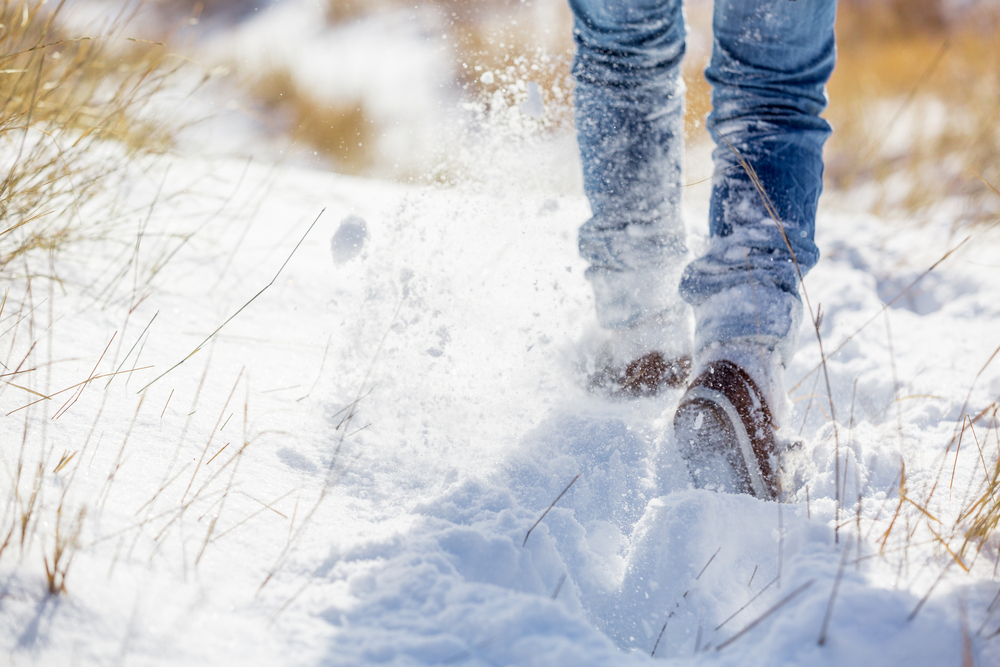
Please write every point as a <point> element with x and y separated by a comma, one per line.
<point>77,113</point>
<point>64,548</point>
<point>66,99</point>
<point>982,517</point>
<point>516,46</point>
<point>918,97</point>
<point>194,10</point>
<point>343,132</point>
<point>343,11</point>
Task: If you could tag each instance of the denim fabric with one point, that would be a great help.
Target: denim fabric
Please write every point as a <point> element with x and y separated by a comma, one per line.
<point>770,63</point>
<point>630,125</point>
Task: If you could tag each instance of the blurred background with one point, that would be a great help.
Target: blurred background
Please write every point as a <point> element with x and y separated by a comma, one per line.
<point>478,91</point>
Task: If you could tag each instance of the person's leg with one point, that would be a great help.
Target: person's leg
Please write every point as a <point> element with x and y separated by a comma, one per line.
<point>629,116</point>
<point>770,63</point>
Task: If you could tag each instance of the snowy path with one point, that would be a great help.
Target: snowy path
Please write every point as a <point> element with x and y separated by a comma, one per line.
<point>454,329</point>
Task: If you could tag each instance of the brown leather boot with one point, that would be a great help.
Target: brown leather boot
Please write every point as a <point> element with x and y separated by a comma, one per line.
<point>725,430</point>
<point>642,377</point>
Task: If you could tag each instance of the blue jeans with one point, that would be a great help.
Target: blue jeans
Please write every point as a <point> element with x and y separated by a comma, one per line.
<point>770,63</point>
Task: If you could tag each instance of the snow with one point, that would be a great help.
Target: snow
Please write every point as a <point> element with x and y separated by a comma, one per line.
<point>451,317</point>
<point>339,452</point>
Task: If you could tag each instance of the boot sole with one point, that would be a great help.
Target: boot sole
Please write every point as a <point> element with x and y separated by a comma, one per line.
<point>725,394</point>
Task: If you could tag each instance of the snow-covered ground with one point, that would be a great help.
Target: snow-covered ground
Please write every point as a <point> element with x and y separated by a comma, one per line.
<point>333,452</point>
<point>346,473</point>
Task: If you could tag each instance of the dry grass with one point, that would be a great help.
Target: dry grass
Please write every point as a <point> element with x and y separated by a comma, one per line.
<point>984,514</point>
<point>982,517</point>
<point>66,99</point>
<point>515,44</point>
<point>75,116</point>
<point>344,11</point>
<point>459,11</point>
<point>194,10</point>
<point>915,102</point>
<point>63,550</point>
<point>698,99</point>
<point>343,132</point>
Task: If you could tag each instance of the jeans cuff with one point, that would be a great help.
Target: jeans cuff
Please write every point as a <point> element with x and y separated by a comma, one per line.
<point>626,298</point>
<point>750,313</point>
